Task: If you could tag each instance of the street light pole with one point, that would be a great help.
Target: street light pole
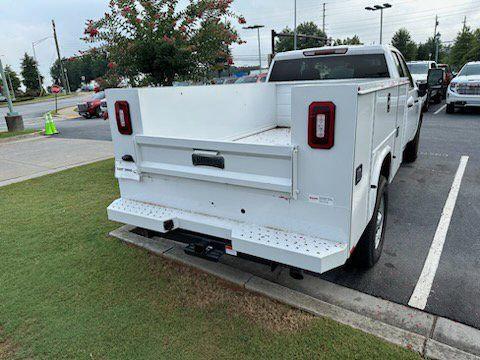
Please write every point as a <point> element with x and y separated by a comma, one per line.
<point>36,61</point>
<point>257,27</point>
<point>295,26</point>
<point>381,8</point>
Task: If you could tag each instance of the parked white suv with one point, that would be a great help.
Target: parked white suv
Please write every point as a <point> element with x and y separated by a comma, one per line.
<point>464,90</point>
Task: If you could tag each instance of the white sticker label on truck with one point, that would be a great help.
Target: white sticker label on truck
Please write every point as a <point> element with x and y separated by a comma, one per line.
<point>322,200</point>
<point>124,170</point>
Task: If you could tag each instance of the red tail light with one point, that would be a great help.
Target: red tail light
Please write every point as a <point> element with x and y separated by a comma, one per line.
<point>321,125</point>
<point>124,123</point>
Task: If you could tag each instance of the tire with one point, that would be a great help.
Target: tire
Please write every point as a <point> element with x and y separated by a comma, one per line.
<point>410,154</point>
<point>450,108</point>
<point>370,246</point>
<point>98,113</point>
<point>426,105</point>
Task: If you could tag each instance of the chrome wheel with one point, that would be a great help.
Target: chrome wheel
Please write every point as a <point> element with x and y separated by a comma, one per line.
<point>380,223</point>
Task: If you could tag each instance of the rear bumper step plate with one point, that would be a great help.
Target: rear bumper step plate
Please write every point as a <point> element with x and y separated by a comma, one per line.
<point>285,247</point>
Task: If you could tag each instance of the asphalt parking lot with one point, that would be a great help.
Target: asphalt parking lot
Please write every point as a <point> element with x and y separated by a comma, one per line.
<point>417,199</point>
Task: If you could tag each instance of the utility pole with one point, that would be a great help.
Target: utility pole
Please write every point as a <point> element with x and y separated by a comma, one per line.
<point>68,81</point>
<point>295,26</point>
<point>435,39</point>
<point>257,27</point>
<point>323,24</point>
<point>62,71</point>
<point>381,8</point>
<point>464,23</point>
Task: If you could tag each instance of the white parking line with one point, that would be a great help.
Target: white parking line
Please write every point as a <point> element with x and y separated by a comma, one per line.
<point>424,285</point>
<point>440,110</point>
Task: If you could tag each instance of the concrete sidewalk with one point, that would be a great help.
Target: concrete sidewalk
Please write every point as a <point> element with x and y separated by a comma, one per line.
<point>30,158</point>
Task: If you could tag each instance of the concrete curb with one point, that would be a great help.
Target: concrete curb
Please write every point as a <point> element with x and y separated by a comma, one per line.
<point>21,137</point>
<point>432,336</point>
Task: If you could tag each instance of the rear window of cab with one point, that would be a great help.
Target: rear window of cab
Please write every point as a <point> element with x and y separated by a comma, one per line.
<point>363,66</point>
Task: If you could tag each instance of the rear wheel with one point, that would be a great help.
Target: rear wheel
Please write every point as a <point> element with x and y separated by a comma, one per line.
<point>410,154</point>
<point>450,108</point>
<point>370,246</point>
<point>426,104</point>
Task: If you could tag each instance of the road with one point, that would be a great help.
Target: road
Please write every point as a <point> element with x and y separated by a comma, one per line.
<point>33,113</point>
<point>417,198</point>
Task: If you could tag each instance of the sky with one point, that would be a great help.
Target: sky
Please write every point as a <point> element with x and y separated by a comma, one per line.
<point>27,21</point>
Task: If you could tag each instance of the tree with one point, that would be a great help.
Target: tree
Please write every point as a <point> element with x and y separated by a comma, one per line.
<point>426,51</point>
<point>307,28</point>
<point>474,53</point>
<point>30,75</point>
<point>85,67</point>
<point>355,40</point>
<point>14,79</point>
<point>403,42</point>
<point>464,42</point>
<point>153,40</point>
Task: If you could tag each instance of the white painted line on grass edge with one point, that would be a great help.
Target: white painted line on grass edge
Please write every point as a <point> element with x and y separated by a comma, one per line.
<point>424,285</point>
<point>440,110</point>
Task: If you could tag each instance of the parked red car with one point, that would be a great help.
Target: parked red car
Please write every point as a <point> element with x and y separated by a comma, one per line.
<point>448,73</point>
<point>91,108</point>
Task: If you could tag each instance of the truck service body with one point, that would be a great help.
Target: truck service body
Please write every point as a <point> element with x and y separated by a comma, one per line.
<point>293,171</point>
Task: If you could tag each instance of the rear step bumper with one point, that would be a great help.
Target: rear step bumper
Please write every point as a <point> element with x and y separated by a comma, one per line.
<point>289,248</point>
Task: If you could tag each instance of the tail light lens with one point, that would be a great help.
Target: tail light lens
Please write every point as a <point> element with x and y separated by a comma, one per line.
<point>122,113</point>
<point>321,125</point>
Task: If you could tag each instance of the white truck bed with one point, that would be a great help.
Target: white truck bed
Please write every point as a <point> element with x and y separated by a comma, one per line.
<point>278,136</point>
<point>259,184</point>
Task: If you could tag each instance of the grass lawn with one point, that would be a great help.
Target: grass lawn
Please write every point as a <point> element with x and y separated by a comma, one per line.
<point>6,134</point>
<point>68,291</point>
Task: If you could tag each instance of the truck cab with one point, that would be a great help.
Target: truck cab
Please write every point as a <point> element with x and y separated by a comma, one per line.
<point>294,171</point>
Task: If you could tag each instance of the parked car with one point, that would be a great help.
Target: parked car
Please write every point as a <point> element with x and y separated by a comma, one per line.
<point>295,174</point>
<point>104,109</point>
<point>419,71</point>
<point>231,80</point>
<point>448,73</point>
<point>250,79</point>
<point>91,108</point>
<point>464,90</point>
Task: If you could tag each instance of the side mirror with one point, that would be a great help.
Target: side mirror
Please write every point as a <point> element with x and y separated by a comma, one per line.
<point>435,77</point>
<point>422,89</point>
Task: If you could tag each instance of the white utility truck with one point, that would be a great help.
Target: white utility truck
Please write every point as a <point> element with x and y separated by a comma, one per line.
<point>294,171</point>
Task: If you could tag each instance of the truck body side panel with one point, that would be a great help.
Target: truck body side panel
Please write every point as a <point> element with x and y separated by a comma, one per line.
<point>362,166</point>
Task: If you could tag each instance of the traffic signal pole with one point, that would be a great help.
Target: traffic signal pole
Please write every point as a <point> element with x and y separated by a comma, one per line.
<point>13,119</point>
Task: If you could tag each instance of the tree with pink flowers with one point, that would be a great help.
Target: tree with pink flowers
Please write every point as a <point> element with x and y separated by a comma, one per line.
<point>157,41</point>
